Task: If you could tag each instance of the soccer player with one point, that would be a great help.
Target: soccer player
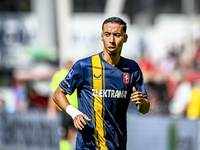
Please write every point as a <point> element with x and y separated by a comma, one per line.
<point>106,82</point>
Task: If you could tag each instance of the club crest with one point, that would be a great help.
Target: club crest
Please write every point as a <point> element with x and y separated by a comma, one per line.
<point>126,77</point>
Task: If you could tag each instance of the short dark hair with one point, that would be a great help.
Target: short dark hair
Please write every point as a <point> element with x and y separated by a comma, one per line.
<point>115,20</point>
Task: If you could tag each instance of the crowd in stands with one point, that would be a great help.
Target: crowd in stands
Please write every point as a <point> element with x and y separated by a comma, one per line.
<point>173,83</point>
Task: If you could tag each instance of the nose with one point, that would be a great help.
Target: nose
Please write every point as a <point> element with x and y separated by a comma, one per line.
<point>112,39</point>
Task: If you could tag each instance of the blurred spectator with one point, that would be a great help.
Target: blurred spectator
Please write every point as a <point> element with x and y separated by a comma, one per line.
<point>67,130</point>
<point>154,78</point>
<point>55,81</point>
<point>193,108</point>
<point>185,101</point>
<point>197,55</point>
<point>8,101</point>
<point>157,92</point>
<point>178,103</point>
<point>68,133</point>
<point>20,93</point>
<point>2,105</point>
<point>37,102</point>
<point>168,64</point>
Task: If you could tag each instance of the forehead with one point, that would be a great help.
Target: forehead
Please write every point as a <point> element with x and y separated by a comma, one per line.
<point>112,27</point>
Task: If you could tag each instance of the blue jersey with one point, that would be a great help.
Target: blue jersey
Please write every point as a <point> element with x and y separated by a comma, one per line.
<point>103,95</point>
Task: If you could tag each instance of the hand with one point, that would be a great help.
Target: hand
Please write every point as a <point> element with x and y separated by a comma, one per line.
<point>79,121</point>
<point>137,97</point>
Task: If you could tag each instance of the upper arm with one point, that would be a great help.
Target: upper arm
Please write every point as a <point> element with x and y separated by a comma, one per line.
<point>60,98</point>
<point>58,94</point>
<point>73,79</point>
<point>138,81</point>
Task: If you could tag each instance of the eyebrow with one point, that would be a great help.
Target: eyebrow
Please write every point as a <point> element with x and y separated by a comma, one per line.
<point>113,33</point>
<point>106,32</point>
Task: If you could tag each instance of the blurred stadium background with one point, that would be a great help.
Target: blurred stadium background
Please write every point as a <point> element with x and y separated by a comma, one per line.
<point>37,37</point>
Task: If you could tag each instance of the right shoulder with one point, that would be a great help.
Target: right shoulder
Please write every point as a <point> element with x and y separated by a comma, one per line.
<point>85,61</point>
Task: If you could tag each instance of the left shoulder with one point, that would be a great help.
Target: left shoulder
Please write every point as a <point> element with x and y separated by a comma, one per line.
<point>128,61</point>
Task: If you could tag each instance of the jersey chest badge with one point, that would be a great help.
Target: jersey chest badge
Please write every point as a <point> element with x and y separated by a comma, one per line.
<point>126,77</point>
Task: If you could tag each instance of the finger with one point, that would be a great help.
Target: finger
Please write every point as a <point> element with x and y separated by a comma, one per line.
<point>87,118</point>
<point>138,103</point>
<point>134,89</point>
<point>77,121</point>
<point>138,95</point>
<point>136,100</point>
<point>82,121</point>
<point>78,125</point>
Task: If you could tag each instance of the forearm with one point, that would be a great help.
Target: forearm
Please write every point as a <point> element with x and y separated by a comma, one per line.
<point>144,107</point>
<point>60,99</point>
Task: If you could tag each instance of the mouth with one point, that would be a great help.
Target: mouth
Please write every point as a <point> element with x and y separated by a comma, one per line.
<point>111,48</point>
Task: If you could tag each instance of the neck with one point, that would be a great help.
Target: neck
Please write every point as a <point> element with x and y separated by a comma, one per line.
<point>111,59</point>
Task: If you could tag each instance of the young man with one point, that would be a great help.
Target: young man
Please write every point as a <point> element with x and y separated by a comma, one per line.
<point>105,83</point>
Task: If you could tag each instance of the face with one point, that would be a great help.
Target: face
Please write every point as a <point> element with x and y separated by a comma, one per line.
<point>113,38</point>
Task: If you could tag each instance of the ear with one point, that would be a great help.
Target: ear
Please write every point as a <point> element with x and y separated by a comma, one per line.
<point>125,38</point>
<point>101,36</point>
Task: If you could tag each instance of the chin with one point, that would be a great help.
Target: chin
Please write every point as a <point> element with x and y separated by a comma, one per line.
<point>111,52</point>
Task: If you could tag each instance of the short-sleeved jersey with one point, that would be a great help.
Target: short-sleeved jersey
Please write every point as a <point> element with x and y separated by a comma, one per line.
<point>103,95</point>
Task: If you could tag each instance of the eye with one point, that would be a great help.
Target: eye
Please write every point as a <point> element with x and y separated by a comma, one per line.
<point>107,34</point>
<point>117,34</point>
